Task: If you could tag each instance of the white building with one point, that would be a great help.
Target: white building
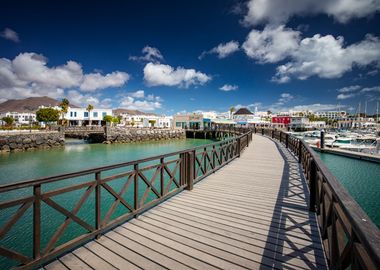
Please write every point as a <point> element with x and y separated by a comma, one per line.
<point>332,114</point>
<point>299,122</point>
<point>80,116</point>
<point>144,121</point>
<point>21,118</point>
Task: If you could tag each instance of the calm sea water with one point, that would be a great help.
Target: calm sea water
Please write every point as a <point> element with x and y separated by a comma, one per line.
<point>75,156</point>
<point>78,155</point>
<point>360,178</point>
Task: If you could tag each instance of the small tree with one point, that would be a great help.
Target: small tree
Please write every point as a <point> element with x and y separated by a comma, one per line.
<point>47,115</point>
<point>65,103</point>
<point>115,120</point>
<point>89,109</point>
<point>8,120</point>
<point>132,123</point>
<point>108,118</point>
<point>232,110</point>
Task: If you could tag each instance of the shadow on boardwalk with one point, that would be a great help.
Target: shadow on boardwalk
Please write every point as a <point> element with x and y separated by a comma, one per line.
<point>293,190</point>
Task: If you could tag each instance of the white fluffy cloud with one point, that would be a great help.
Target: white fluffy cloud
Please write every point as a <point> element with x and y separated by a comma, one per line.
<point>138,101</point>
<point>228,87</point>
<point>83,100</point>
<point>357,90</point>
<point>95,81</point>
<point>316,107</point>
<point>322,56</point>
<point>370,89</point>
<point>150,54</point>
<point>159,74</point>
<point>28,75</point>
<point>349,89</point>
<point>280,11</point>
<point>345,96</point>
<point>326,57</point>
<point>10,35</point>
<point>271,45</point>
<point>222,50</point>
<point>138,94</point>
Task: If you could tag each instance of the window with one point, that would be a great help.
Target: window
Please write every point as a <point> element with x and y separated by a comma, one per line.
<point>85,114</point>
<point>71,114</point>
<point>104,114</point>
<point>95,114</point>
<point>75,114</point>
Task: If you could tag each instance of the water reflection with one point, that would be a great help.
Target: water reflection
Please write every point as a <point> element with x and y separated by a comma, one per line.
<point>73,145</point>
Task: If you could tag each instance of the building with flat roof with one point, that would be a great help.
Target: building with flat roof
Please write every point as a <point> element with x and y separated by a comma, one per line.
<point>21,118</point>
<point>336,115</point>
<point>82,117</point>
<point>191,121</point>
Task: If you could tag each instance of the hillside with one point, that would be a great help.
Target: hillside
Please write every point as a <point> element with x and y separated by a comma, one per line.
<point>132,112</point>
<point>28,104</point>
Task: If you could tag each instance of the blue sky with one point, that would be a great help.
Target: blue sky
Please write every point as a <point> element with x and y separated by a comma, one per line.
<point>173,56</point>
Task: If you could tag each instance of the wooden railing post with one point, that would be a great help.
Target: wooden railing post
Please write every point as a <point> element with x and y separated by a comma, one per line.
<point>205,159</point>
<point>299,151</point>
<point>272,134</point>
<point>238,146</point>
<point>37,222</point>
<point>213,157</point>
<point>247,141</point>
<point>190,163</point>
<point>136,186</point>
<point>162,184</point>
<point>312,185</point>
<point>98,215</point>
<point>287,140</point>
<point>262,131</point>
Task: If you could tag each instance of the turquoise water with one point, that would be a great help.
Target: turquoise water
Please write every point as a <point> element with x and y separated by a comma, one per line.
<point>360,178</point>
<point>76,156</point>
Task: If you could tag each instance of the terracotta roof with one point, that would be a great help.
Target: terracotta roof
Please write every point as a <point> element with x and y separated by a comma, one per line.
<point>242,111</point>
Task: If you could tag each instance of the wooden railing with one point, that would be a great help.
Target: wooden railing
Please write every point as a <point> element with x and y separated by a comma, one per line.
<point>97,200</point>
<point>351,240</point>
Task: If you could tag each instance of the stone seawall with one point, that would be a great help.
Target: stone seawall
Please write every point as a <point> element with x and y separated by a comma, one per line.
<point>30,141</point>
<point>120,135</point>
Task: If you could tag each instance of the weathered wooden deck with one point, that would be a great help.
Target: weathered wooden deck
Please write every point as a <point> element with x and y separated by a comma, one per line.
<point>252,214</point>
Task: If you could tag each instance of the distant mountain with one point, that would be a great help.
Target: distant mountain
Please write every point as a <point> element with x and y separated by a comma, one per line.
<point>28,104</point>
<point>131,112</point>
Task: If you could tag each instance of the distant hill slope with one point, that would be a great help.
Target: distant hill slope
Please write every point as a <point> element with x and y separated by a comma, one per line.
<point>28,104</point>
<point>131,112</point>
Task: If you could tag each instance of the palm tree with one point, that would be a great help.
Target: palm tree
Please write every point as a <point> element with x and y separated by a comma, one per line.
<point>65,103</point>
<point>232,110</point>
<point>89,109</point>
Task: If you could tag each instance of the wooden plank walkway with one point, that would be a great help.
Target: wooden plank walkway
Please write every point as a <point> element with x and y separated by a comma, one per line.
<point>252,214</point>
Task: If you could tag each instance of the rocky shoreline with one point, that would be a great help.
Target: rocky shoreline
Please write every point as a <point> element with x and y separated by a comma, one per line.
<point>30,141</point>
<point>120,135</point>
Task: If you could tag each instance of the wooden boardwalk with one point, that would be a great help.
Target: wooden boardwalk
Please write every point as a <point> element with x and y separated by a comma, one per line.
<point>252,214</point>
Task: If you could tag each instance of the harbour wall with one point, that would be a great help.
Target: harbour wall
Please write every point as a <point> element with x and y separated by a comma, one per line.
<point>122,135</point>
<point>30,141</point>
